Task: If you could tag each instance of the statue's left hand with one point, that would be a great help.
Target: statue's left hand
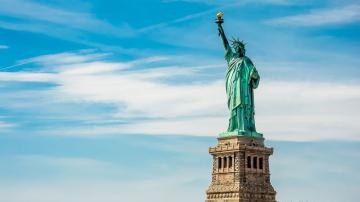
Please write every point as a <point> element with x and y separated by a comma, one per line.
<point>255,75</point>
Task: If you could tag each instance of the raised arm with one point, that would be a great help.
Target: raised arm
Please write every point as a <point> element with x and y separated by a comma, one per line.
<point>219,22</point>
<point>223,38</point>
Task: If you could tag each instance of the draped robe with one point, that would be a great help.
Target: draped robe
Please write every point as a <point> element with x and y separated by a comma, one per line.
<point>241,78</point>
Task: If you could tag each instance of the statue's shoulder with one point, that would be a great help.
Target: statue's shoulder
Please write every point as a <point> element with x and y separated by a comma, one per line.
<point>248,61</point>
<point>229,55</point>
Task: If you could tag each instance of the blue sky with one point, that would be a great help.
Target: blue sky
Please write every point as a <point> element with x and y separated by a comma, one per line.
<point>117,98</point>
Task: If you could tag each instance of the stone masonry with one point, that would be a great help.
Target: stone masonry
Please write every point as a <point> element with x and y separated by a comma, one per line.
<point>240,171</point>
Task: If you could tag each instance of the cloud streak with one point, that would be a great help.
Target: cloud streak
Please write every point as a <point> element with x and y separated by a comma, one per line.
<point>148,101</point>
<point>105,171</point>
<point>6,126</point>
<point>211,2</point>
<point>32,11</point>
<point>221,6</point>
<point>321,17</point>
<point>71,25</point>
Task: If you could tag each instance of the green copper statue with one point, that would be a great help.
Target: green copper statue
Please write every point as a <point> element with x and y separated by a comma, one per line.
<point>241,79</point>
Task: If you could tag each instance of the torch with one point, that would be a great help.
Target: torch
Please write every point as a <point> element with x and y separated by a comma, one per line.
<point>219,19</point>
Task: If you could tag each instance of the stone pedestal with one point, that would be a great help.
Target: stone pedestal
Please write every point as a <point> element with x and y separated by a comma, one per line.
<point>240,171</point>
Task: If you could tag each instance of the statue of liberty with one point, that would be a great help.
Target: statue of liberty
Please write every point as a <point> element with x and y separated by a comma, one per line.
<point>241,78</point>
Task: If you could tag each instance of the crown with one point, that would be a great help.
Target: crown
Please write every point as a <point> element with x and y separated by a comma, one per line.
<point>237,42</point>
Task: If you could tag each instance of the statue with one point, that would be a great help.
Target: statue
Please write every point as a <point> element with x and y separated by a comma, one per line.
<point>241,79</point>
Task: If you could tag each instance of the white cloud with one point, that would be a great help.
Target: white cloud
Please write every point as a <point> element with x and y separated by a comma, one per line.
<point>182,19</point>
<point>156,189</point>
<point>72,23</point>
<point>29,10</point>
<point>187,180</point>
<point>214,2</point>
<point>6,125</point>
<point>26,76</point>
<point>4,46</point>
<point>201,126</point>
<point>285,110</point>
<point>104,181</point>
<point>62,163</point>
<point>308,110</point>
<point>81,56</point>
<point>146,97</point>
<point>221,6</point>
<point>319,17</point>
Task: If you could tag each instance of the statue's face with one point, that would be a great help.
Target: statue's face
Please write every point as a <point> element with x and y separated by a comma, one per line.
<point>239,47</point>
<point>240,50</point>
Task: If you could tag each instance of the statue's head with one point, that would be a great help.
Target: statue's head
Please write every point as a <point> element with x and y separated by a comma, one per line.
<point>239,46</point>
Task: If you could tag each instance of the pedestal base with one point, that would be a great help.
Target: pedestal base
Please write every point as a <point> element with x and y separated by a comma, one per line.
<point>240,171</point>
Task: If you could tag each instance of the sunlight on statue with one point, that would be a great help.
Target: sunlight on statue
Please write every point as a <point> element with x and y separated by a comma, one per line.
<point>241,79</point>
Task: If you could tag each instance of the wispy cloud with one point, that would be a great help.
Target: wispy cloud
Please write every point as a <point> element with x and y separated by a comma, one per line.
<point>92,180</point>
<point>27,77</point>
<point>212,2</point>
<point>92,174</point>
<point>285,111</point>
<point>4,46</point>
<point>30,11</point>
<point>74,25</point>
<point>148,102</point>
<point>81,56</point>
<point>73,163</point>
<point>5,125</point>
<point>164,188</point>
<point>184,18</point>
<point>220,6</point>
<point>320,17</point>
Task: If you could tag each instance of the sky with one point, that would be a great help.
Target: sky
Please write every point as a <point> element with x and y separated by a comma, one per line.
<point>120,100</point>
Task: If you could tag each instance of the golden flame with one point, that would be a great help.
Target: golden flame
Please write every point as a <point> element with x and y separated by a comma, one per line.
<point>219,15</point>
